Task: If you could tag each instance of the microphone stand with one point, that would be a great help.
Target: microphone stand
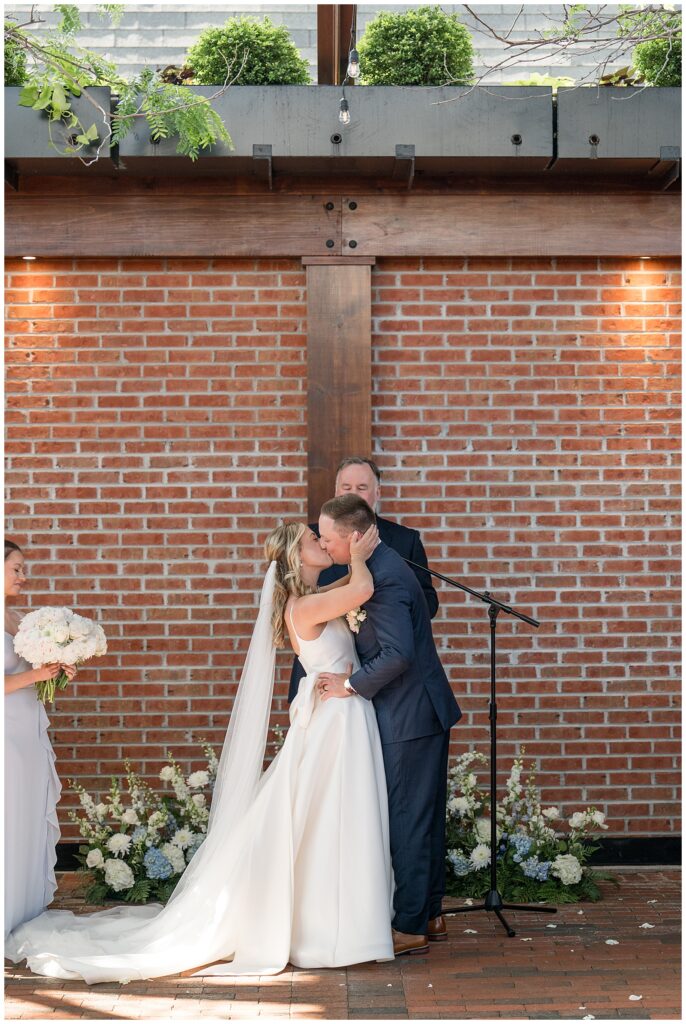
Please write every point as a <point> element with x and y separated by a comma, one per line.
<point>493,901</point>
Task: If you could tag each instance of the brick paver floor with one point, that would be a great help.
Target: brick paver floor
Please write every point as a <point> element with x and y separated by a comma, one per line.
<point>561,966</point>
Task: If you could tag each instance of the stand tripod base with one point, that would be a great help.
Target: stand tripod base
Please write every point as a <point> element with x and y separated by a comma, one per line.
<point>493,903</point>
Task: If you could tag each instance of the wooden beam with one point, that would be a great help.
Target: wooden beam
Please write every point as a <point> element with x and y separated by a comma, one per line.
<point>513,225</point>
<point>159,225</point>
<point>339,367</point>
<point>211,224</point>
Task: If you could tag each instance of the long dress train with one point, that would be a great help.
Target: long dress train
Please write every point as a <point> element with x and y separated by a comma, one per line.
<point>303,875</point>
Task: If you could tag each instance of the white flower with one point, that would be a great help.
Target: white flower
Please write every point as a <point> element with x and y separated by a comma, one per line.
<point>88,804</point>
<point>470,781</point>
<point>199,799</point>
<point>79,627</point>
<point>354,619</point>
<point>577,820</point>
<point>480,856</point>
<point>167,773</point>
<point>198,779</point>
<point>598,818</point>
<point>483,830</point>
<point>101,811</point>
<point>95,859</point>
<point>567,868</point>
<point>175,857</point>
<point>551,813</point>
<point>180,788</point>
<point>458,805</point>
<point>157,819</point>
<point>119,843</point>
<point>118,875</point>
<point>183,837</point>
<point>130,817</point>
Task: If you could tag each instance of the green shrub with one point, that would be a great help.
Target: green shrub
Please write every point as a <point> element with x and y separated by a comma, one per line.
<point>250,52</point>
<point>418,47</point>
<point>659,61</point>
<point>15,63</point>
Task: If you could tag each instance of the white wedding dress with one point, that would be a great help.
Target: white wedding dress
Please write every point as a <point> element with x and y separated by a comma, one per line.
<point>296,864</point>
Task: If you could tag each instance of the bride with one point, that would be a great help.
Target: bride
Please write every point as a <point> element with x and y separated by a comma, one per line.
<point>296,864</point>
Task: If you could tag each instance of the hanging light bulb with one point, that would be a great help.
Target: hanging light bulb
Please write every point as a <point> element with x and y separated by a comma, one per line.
<point>344,114</point>
<point>354,64</point>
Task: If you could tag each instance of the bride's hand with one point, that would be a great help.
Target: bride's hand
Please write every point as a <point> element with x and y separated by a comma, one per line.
<point>362,545</point>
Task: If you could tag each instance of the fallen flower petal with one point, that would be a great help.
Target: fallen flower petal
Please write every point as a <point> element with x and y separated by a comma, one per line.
<point>470,931</point>
<point>635,999</point>
<point>611,942</point>
<point>647,925</point>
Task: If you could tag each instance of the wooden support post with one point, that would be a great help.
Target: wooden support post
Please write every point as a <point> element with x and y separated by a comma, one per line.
<point>334,27</point>
<point>339,368</point>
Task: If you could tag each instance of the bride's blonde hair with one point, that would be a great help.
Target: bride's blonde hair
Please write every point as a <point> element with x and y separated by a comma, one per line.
<point>283,547</point>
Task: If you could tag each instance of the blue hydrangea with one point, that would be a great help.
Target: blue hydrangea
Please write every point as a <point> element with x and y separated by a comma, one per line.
<point>522,845</point>
<point>533,868</point>
<point>138,834</point>
<point>156,864</point>
<point>193,847</point>
<point>461,864</point>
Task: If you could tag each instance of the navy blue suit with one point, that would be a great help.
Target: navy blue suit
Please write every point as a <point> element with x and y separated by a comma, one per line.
<point>408,544</point>
<point>415,708</point>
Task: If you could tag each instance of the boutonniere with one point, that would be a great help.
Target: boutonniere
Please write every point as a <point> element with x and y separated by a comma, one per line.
<point>355,618</point>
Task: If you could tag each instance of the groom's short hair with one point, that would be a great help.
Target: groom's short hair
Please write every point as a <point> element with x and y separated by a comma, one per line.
<point>349,512</point>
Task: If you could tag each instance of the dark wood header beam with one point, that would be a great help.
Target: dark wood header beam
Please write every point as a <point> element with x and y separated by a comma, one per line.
<point>646,224</point>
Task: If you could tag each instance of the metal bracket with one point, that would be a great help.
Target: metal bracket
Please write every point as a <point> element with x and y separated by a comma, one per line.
<point>403,167</point>
<point>262,156</point>
<point>11,176</point>
<point>668,167</point>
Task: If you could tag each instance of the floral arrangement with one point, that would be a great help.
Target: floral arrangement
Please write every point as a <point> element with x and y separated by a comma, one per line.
<point>52,634</point>
<point>534,860</point>
<point>355,618</point>
<point>138,846</point>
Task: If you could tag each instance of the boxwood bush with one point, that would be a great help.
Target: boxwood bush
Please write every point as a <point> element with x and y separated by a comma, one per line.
<point>424,46</point>
<point>251,53</point>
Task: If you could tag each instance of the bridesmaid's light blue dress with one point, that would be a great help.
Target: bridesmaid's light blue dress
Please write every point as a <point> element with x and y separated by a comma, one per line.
<point>32,789</point>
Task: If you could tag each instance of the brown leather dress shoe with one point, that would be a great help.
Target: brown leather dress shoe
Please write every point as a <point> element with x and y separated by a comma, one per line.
<point>438,929</point>
<point>412,944</point>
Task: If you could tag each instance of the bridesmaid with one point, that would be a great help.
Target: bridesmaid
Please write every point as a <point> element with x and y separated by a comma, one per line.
<point>32,786</point>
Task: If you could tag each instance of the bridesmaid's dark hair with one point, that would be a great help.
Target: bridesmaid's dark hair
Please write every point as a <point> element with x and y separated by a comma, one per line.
<point>10,546</point>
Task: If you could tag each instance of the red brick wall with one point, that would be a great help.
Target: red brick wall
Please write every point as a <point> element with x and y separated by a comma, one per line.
<point>525,420</point>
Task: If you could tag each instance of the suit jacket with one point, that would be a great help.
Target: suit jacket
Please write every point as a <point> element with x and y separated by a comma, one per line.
<point>408,544</point>
<point>401,671</point>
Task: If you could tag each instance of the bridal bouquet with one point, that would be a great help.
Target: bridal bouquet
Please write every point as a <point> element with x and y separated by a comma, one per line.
<point>139,844</point>
<point>58,634</point>
<point>535,861</point>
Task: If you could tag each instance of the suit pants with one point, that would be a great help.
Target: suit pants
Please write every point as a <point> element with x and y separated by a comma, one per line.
<point>416,777</point>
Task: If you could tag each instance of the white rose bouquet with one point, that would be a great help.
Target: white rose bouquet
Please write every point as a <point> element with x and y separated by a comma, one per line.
<point>55,634</point>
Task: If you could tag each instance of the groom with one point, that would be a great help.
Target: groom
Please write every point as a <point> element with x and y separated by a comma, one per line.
<point>415,708</point>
